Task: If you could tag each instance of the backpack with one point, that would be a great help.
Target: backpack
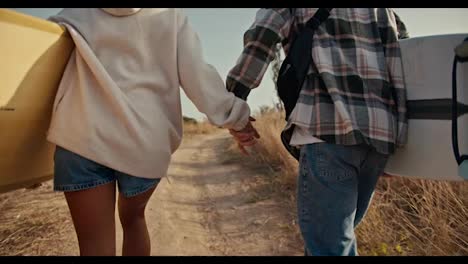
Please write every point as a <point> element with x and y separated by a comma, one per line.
<point>293,71</point>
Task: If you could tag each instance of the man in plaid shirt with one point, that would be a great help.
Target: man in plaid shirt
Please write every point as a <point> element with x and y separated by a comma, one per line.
<point>350,115</point>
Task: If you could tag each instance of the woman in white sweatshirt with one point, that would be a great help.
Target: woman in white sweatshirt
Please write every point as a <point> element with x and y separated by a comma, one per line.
<point>117,115</point>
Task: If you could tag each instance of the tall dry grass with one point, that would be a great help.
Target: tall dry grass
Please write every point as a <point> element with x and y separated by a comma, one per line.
<point>36,222</point>
<point>406,217</point>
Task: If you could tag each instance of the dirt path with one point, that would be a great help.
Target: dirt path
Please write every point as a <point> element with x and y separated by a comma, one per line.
<point>213,203</point>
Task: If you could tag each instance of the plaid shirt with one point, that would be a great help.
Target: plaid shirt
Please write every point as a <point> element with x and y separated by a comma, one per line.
<point>354,92</point>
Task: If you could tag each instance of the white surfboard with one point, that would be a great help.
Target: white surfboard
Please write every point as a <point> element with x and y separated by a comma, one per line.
<point>427,65</point>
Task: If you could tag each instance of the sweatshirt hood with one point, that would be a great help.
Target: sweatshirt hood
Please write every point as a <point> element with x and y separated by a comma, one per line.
<point>121,11</point>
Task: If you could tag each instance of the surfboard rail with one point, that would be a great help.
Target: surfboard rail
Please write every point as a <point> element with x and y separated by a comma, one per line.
<point>34,55</point>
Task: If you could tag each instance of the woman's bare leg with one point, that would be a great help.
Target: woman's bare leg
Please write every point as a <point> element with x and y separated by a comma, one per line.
<point>136,240</point>
<point>93,214</point>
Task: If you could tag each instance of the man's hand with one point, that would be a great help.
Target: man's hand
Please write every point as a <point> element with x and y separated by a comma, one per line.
<point>246,136</point>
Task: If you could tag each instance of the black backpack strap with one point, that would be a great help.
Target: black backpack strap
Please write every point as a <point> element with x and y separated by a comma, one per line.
<point>299,60</point>
<point>319,17</point>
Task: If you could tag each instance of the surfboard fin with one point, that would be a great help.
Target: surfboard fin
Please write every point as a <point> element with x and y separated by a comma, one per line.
<point>463,170</point>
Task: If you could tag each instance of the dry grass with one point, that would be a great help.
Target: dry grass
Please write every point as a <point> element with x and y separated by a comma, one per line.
<point>194,127</point>
<point>35,222</point>
<point>416,217</point>
<point>406,217</point>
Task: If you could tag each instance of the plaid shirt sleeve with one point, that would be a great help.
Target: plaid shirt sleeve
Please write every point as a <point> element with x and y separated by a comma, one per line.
<point>270,27</point>
<point>391,29</point>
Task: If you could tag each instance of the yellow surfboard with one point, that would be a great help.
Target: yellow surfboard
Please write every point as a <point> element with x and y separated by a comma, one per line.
<point>33,56</point>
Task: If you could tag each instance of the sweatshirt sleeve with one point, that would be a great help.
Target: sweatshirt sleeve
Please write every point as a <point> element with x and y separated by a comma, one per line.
<point>203,84</point>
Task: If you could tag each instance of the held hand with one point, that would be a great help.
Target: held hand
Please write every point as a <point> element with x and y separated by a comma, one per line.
<point>246,136</point>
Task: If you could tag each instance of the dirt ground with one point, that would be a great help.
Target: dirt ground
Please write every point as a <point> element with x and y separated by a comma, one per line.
<point>214,202</point>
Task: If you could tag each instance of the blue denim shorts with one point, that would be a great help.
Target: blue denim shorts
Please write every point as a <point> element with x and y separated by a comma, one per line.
<point>74,172</point>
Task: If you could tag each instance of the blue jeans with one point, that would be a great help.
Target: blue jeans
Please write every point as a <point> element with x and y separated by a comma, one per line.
<point>335,186</point>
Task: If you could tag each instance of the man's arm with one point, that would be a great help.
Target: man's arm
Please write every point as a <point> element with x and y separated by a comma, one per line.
<point>401,27</point>
<point>390,33</point>
<point>270,27</point>
<point>402,126</point>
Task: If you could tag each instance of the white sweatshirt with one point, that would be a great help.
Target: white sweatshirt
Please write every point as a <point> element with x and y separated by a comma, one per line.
<point>118,103</point>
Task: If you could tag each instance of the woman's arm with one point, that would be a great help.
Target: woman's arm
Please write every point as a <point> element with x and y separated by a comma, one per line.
<point>203,84</point>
